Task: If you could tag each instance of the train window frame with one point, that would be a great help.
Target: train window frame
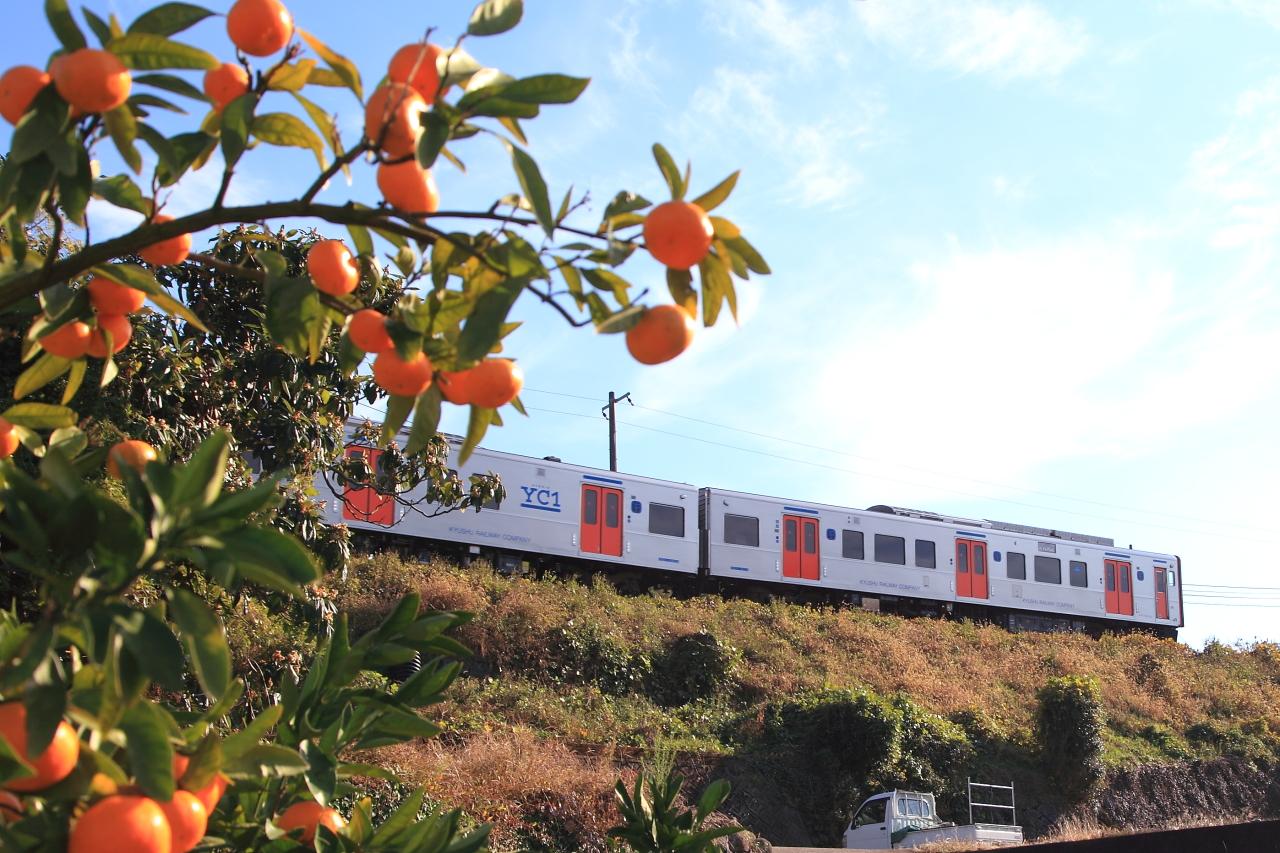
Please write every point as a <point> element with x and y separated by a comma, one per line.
<point>662,519</point>
<point>927,560</point>
<point>1049,564</point>
<point>883,542</point>
<point>1019,573</point>
<point>853,545</point>
<point>1078,570</point>
<point>752,541</point>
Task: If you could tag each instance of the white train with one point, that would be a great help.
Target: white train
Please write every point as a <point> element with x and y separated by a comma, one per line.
<point>557,514</point>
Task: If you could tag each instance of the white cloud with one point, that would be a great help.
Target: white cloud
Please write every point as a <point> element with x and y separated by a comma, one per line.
<point>1004,39</point>
<point>816,156</point>
<point>803,36</point>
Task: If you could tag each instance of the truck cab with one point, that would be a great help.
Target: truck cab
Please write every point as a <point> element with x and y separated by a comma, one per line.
<point>882,821</point>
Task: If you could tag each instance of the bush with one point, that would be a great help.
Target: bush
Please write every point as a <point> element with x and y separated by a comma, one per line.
<point>935,752</point>
<point>580,652</point>
<point>1069,724</point>
<point>695,666</point>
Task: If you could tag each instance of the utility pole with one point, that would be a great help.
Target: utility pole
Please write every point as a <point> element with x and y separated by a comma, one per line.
<point>610,413</point>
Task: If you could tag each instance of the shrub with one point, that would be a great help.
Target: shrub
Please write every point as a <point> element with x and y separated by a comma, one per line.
<point>934,751</point>
<point>1069,723</point>
<point>580,652</point>
<point>695,666</point>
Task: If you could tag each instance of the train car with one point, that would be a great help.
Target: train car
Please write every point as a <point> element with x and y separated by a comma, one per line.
<point>553,512</point>
<point>1027,578</point>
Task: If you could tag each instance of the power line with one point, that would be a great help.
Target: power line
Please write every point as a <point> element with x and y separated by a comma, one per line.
<point>836,451</point>
<point>1228,586</point>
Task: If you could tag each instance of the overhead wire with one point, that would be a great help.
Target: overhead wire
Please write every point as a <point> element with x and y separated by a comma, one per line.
<point>809,446</point>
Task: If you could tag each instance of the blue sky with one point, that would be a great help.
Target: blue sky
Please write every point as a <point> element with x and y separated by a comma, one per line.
<point>1024,253</point>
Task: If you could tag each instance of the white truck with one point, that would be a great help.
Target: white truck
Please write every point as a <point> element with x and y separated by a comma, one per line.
<point>900,819</point>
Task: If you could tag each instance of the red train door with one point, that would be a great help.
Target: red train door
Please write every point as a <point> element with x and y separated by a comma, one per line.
<point>601,531</point>
<point>1162,594</point>
<point>1118,584</point>
<point>367,504</point>
<point>800,552</point>
<point>971,568</point>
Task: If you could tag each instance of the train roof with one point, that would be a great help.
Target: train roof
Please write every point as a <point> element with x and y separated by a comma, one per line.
<point>1007,526</point>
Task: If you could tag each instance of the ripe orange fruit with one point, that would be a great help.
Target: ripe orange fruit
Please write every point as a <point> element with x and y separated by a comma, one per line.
<point>332,267</point>
<point>409,187</point>
<point>11,807</point>
<point>307,816</point>
<point>51,766</point>
<point>19,87</point>
<point>110,297</point>
<point>90,80</point>
<point>225,83</point>
<point>663,333</point>
<point>259,27</point>
<point>453,387</point>
<point>394,116</point>
<point>415,64</point>
<point>167,252</point>
<point>399,377</point>
<point>119,327</point>
<point>188,819</point>
<point>368,330</point>
<point>69,341</point>
<point>122,822</point>
<point>494,382</point>
<point>132,452</point>
<point>678,234</point>
<point>9,440</point>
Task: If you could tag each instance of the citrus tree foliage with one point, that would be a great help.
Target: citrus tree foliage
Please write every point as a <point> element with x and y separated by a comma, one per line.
<point>653,822</point>
<point>89,668</point>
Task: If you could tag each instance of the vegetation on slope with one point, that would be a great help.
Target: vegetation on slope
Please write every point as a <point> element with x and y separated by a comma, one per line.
<point>803,708</point>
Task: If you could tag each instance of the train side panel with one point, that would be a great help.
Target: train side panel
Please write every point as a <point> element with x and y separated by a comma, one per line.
<point>553,510</point>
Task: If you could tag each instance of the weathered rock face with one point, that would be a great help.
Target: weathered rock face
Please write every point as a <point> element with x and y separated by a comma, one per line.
<point>1226,788</point>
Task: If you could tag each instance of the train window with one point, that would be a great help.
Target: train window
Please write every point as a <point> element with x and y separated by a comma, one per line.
<point>926,554</point>
<point>1048,569</point>
<point>789,535</point>
<point>1079,573</point>
<point>666,520</point>
<point>1016,565</point>
<point>851,545</point>
<point>1109,575</point>
<point>590,506</point>
<point>811,538</point>
<point>612,509</point>
<point>1124,581</point>
<point>891,549</point>
<point>741,530</point>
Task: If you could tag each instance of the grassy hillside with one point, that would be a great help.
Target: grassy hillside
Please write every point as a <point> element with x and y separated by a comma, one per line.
<point>572,684</point>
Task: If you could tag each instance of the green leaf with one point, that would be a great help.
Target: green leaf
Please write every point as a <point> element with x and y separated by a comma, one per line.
<point>294,311</point>
<point>716,288</point>
<point>121,191</point>
<point>477,425</point>
<point>70,440</point>
<point>670,173</point>
<point>740,247</point>
<point>144,99</point>
<point>199,482</point>
<point>712,798</point>
<point>546,89</point>
<point>398,409</point>
<point>75,188</point>
<point>100,28</point>
<point>279,554</point>
<point>534,188</point>
<point>484,326</point>
<point>361,239</point>
<point>78,368</point>
<point>235,127</point>
<point>608,280</point>
<point>150,753</point>
<point>712,198</point>
<point>63,25</point>
<point>153,645</point>
<point>169,19</point>
<point>321,774</point>
<point>323,122</point>
<point>291,78</point>
<point>170,83</point>
<point>289,131</point>
<point>40,416</point>
<point>205,639</point>
<point>239,743</point>
<point>434,135</point>
<point>37,131</point>
<point>46,704</point>
<point>426,420</point>
<point>149,52</point>
<point>621,321</point>
<point>680,283</point>
<point>341,66</point>
<point>325,77</point>
<point>266,760</point>
<point>495,16</point>
<point>123,128</point>
<point>46,369</point>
